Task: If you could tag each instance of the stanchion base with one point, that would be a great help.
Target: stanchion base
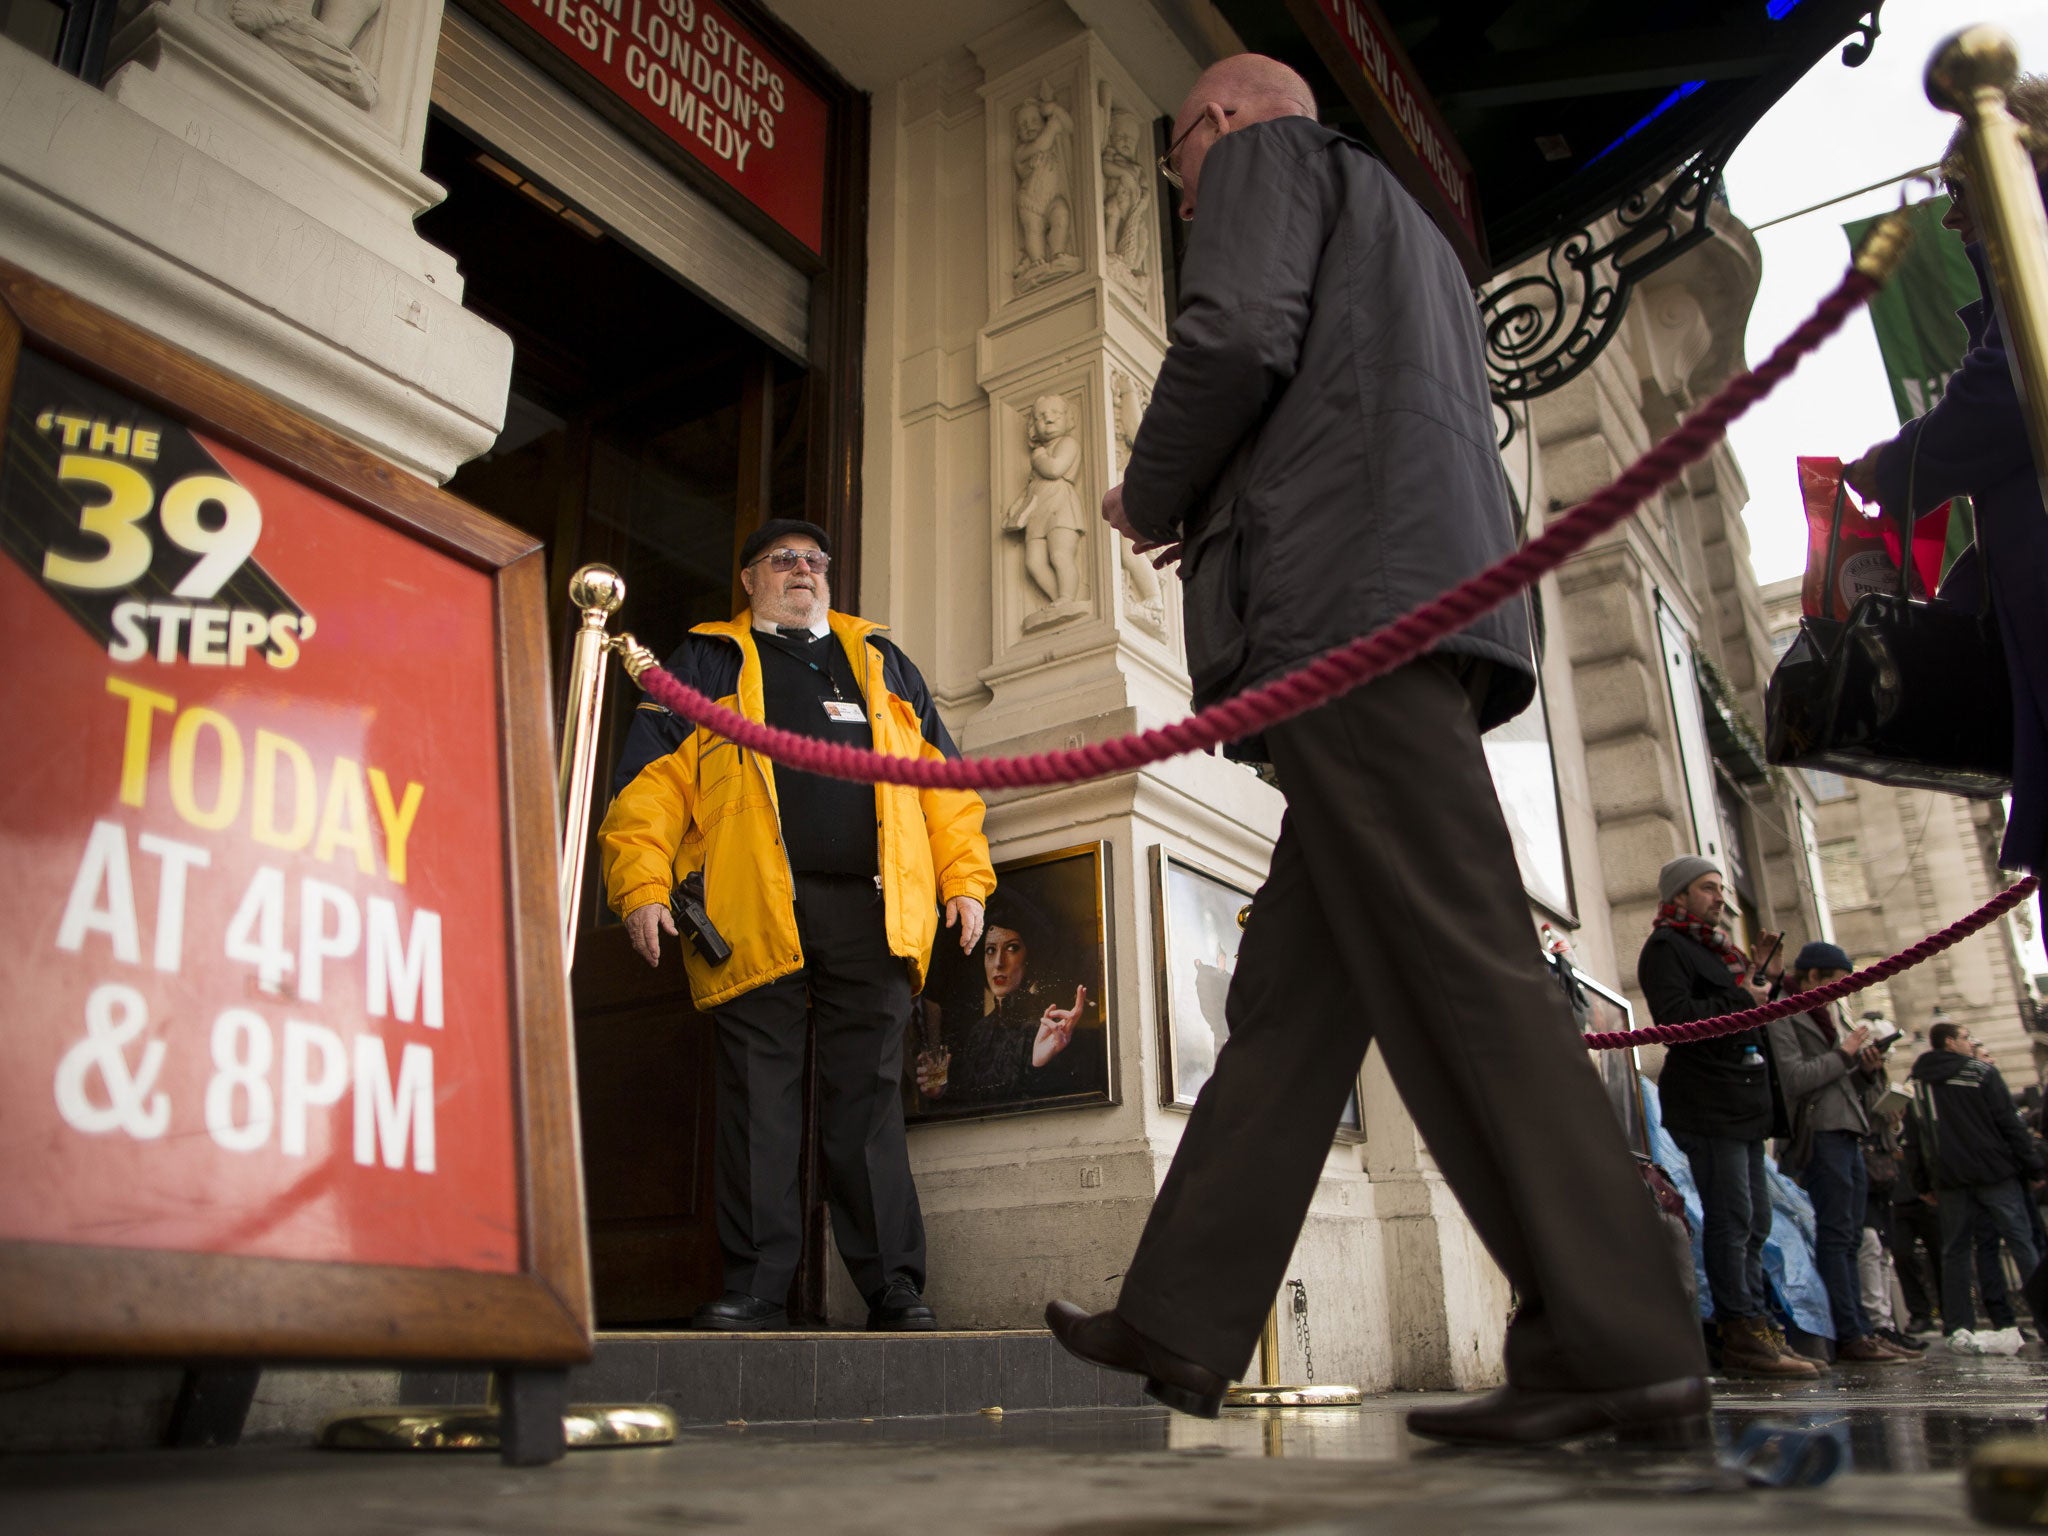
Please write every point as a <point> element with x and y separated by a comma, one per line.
<point>2008,1481</point>
<point>1317,1396</point>
<point>586,1426</point>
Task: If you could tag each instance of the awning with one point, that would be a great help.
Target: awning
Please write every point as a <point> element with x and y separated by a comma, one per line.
<point>1561,109</point>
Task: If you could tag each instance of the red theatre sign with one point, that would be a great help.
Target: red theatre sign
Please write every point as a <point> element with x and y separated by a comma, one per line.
<point>286,1065</point>
<point>710,86</point>
<point>1360,49</point>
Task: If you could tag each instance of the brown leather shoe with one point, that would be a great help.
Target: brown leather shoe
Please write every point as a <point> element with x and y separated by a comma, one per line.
<point>1667,1413</point>
<point>1747,1348</point>
<point>1104,1339</point>
<point>1869,1350</point>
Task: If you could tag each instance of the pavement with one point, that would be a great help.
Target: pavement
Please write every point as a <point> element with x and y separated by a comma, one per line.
<point>1088,1472</point>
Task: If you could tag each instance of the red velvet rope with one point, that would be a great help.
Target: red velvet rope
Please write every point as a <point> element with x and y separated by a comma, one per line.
<point>1330,674</point>
<point>1784,1007</point>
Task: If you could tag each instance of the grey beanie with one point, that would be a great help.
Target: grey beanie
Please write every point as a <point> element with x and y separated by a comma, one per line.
<point>1681,872</point>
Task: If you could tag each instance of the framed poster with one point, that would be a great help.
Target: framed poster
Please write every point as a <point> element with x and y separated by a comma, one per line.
<point>1620,1071</point>
<point>288,1057</point>
<point>1023,1023</point>
<point>1199,925</point>
<point>1524,769</point>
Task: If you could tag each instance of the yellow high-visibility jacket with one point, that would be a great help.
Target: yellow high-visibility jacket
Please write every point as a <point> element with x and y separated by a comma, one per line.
<point>685,799</point>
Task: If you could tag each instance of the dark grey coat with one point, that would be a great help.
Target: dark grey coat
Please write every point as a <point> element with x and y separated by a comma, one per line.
<point>1320,439</point>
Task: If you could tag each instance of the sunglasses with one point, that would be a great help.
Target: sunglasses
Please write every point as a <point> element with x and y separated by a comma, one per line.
<point>783,561</point>
<point>1166,166</point>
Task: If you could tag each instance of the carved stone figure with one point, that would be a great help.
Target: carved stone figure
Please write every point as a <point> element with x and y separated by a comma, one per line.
<point>1127,203</point>
<point>1045,211</point>
<point>321,46</point>
<point>1141,581</point>
<point>1047,512</point>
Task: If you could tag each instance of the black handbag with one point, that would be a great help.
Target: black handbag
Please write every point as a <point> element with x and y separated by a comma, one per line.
<point>1909,693</point>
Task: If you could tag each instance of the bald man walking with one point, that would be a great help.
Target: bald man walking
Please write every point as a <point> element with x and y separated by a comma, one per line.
<point>1319,455</point>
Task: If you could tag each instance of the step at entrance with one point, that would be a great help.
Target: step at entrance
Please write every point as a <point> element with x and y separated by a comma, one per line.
<point>780,1378</point>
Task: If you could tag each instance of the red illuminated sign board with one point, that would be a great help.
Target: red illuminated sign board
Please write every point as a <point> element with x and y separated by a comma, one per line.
<point>276,1000</point>
<point>1360,49</point>
<point>711,87</point>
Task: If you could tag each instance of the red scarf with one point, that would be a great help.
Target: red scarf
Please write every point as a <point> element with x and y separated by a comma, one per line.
<point>1700,931</point>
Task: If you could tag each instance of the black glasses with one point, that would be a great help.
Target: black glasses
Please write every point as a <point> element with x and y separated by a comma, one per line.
<point>783,561</point>
<point>1166,167</point>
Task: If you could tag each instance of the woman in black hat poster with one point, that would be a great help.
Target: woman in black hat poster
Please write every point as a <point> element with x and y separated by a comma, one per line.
<point>1019,1051</point>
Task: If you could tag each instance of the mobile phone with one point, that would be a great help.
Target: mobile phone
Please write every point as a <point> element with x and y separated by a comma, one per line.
<point>1764,964</point>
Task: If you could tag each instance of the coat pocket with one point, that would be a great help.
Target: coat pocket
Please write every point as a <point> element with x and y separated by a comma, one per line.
<point>1213,602</point>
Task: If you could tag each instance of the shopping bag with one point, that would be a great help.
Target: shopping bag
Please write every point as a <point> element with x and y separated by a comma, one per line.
<point>1846,552</point>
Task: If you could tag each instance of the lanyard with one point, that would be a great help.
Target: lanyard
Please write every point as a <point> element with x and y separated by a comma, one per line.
<point>787,646</point>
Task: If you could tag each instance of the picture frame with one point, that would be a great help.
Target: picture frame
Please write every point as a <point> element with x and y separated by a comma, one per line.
<point>1197,926</point>
<point>1523,763</point>
<point>982,1039</point>
<point>1620,1070</point>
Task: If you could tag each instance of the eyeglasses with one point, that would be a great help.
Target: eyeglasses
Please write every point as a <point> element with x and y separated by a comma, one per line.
<point>1166,166</point>
<point>783,561</point>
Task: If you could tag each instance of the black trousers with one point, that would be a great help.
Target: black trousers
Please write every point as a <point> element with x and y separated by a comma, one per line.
<point>1394,912</point>
<point>1916,1251</point>
<point>859,995</point>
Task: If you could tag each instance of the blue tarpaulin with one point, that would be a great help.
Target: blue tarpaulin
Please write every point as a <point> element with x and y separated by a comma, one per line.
<point>1788,1253</point>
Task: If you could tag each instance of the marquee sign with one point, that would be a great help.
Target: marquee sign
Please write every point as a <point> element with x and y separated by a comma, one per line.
<point>710,86</point>
<point>286,1067</point>
<point>1361,51</point>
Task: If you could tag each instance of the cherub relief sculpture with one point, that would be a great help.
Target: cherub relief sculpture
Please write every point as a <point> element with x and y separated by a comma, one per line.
<point>1047,512</point>
<point>1141,580</point>
<point>1045,212</point>
<point>321,46</point>
<point>1126,202</point>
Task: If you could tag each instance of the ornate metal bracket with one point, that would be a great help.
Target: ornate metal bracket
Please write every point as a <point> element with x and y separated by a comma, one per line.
<point>1856,52</point>
<point>1545,328</point>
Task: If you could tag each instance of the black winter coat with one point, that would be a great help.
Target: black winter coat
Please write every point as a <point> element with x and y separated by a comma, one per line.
<point>1719,1087</point>
<point>1320,438</point>
<point>1968,1130</point>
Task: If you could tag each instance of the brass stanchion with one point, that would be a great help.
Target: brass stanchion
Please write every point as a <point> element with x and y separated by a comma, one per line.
<point>1969,76</point>
<point>1269,1393</point>
<point>597,591</point>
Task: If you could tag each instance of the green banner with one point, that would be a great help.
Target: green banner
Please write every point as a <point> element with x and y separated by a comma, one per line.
<point>1918,334</point>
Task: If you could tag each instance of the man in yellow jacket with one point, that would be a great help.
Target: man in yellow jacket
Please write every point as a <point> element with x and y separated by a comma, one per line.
<point>828,894</point>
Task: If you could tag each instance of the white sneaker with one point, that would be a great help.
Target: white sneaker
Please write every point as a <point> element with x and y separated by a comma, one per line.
<point>1963,1342</point>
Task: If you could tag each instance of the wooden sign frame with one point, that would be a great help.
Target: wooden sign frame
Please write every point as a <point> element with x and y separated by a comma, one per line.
<point>71,1301</point>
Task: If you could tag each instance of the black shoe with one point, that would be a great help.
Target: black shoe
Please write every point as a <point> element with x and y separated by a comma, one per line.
<point>1920,1325</point>
<point>1104,1339</point>
<point>1899,1340</point>
<point>1664,1413</point>
<point>737,1312</point>
<point>899,1309</point>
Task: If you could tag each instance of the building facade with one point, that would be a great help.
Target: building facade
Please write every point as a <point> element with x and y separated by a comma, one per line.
<point>634,275</point>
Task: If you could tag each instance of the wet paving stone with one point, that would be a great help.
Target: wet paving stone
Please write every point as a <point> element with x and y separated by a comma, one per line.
<point>1097,1472</point>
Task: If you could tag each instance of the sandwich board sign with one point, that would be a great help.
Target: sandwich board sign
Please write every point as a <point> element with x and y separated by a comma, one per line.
<point>288,1066</point>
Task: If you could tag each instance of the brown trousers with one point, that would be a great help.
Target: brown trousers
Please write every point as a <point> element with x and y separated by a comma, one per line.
<point>1394,912</point>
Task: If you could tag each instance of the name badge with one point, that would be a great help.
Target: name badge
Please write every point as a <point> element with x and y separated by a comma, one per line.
<point>844,712</point>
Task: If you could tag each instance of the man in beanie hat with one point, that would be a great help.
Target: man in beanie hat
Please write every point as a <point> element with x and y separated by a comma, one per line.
<point>1718,1104</point>
<point>828,894</point>
<point>1829,1076</point>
